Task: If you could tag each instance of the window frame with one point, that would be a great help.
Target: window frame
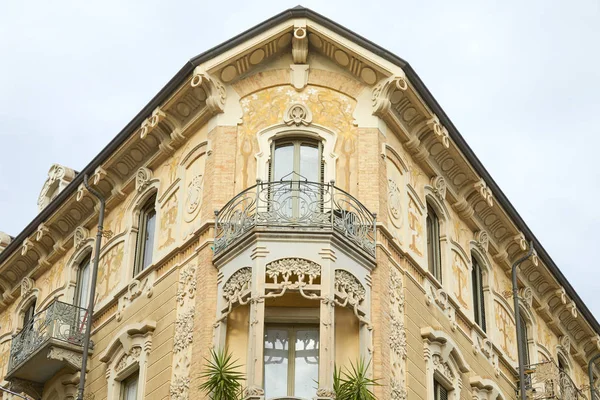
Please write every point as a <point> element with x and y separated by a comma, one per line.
<point>439,389</point>
<point>133,377</point>
<point>29,317</point>
<point>78,286</point>
<point>291,329</point>
<point>297,142</point>
<point>478,293</point>
<point>147,209</point>
<point>434,245</point>
<point>525,337</point>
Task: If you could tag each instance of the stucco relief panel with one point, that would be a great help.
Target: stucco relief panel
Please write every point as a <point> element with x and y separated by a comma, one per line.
<point>415,227</point>
<point>51,280</point>
<point>460,281</point>
<point>168,222</point>
<point>193,190</point>
<point>396,201</point>
<point>329,108</point>
<point>506,330</point>
<point>108,271</point>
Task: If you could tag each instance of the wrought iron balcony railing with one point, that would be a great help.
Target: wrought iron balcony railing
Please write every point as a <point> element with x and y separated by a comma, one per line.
<point>296,204</point>
<point>59,322</point>
<point>547,381</point>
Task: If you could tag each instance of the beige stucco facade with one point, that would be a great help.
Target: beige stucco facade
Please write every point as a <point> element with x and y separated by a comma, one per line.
<point>369,294</point>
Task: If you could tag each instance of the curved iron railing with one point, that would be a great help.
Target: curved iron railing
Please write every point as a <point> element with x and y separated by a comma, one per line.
<point>59,321</point>
<point>296,204</point>
<point>547,381</point>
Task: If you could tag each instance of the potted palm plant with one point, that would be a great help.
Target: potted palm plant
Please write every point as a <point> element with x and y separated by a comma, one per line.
<point>222,379</point>
<point>354,383</point>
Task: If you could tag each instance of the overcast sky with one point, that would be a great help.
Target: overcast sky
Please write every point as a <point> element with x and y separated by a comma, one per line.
<point>519,79</point>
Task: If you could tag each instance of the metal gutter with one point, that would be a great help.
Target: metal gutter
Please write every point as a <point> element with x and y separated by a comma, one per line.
<point>301,12</point>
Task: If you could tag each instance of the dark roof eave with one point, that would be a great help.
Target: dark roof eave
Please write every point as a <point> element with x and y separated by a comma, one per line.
<point>301,12</point>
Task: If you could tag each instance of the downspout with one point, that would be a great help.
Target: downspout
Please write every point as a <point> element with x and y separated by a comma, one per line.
<point>90,309</point>
<point>520,349</point>
<point>13,393</point>
<point>591,375</point>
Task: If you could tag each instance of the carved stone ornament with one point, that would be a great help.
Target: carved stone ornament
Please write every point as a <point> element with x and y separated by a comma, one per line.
<point>297,114</point>
<point>80,236</point>
<point>214,90</point>
<point>527,296</point>
<point>253,392</point>
<point>483,240</point>
<point>194,195</point>
<point>439,186</point>
<point>281,271</point>
<point>128,359</point>
<point>398,392</point>
<point>56,353</point>
<point>26,246</point>
<point>187,284</point>
<point>440,130</point>
<point>565,343</point>
<point>184,330</point>
<point>42,231</point>
<point>237,284</point>
<point>27,285</point>
<point>325,393</point>
<point>300,45</point>
<point>383,95</point>
<point>485,192</point>
<point>180,387</point>
<point>142,178</point>
<point>58,178</point>
<point>347,284</point>
<point>395,203</point>
<point>134,290</point>
<point>152,122</point>
<point>442,367</point>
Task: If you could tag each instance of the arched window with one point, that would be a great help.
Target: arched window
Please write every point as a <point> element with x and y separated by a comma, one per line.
<point>478,298</point>
<point>145,237</point>
<point>82,290</point>
<point>524,338</point>
<point>296,159</point>
<point>433,244</point>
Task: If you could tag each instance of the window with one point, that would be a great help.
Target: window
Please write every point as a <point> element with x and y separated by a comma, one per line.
<point>82,291</point>
<point>28,316</point>
<point>145,238</point>
<point>129,387</point>
<point>296,160</point>
<point>291,361</point>
<point>439,391</point>
<point>433,244</point>
<point>478,300</point>
<point>524,338</point>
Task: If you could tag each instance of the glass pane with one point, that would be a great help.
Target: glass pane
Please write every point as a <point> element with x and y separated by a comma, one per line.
<point>84,284</point>
<point>306,363</point>
<point>131,389</point>
<point>309,162</point>
<point>276,362</point>
<point>283,162</point>
<point>149,244</point>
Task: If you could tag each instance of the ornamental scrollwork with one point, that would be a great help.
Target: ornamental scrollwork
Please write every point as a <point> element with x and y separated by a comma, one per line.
<point>128,359</point>
<point>439,187</point>
<point>282,271</point>
<point>184,331</point>
<point>187,284</point>
<point>395,203</point>
<point>238,284</point>
<point>142,178</point>
<point>482,239</point>
<point>440,130</point>
<point>180,387</point>
<point>347,284</point>
<point>382,96</point>
<point>297,114</point>
<point>80,236</point>
<point>442,367</point>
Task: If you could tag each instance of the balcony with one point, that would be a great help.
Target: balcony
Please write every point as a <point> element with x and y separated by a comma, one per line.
<point>547,381</point>
<point>51,341</point>
<point>296,205</point>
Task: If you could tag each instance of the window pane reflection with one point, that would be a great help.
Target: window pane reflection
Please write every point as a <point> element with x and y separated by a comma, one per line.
<point>283,162</point>
<point>306,363</point>
<point>309,162</point>
<point>276,362</point>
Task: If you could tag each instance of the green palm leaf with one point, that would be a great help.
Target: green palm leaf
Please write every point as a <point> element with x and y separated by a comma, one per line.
<point>223,381</point>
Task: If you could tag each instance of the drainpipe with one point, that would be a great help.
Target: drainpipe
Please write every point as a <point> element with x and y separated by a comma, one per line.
<point>14,393</point>
<point>90,309</point>
<point>520,349</point>
<point>591,375</point>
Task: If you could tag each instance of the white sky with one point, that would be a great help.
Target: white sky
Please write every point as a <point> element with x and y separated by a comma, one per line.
<point>519,79</point>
